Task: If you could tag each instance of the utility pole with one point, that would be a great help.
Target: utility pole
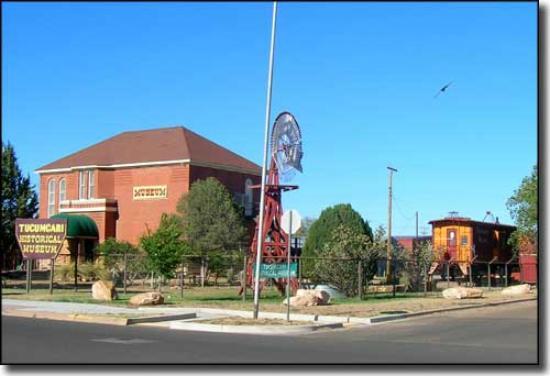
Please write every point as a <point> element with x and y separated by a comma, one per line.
<point>389,250</point>
<point>416,226</point>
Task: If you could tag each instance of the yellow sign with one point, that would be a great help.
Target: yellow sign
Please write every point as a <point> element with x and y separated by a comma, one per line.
<point>40,238</point>
<point>150,192</point>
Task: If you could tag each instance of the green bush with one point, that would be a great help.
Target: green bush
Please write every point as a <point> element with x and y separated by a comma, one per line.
<point>64,272</point>
<point>87,271</point>
<point>112,253</point>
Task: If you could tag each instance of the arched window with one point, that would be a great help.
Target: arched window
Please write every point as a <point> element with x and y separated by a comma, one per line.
<point>62,190</point>
<point>248,197</point>
<point>51,197</point>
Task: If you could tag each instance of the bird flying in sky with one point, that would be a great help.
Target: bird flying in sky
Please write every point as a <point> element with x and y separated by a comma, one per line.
<point>443,89</point>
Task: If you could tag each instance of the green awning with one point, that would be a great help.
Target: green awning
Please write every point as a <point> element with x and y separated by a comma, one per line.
<point>79,226</point>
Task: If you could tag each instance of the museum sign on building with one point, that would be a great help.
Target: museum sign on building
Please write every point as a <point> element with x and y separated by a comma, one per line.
<point>126,182</point>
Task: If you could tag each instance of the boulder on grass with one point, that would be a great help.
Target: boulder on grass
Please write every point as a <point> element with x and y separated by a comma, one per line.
<point>147,298</point>
<point>462,293</point>
<point>104,290</point>
<point>516,290</point>
<point>308,298</point>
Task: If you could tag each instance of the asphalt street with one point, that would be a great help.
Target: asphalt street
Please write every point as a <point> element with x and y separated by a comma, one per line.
<point>501,334</point>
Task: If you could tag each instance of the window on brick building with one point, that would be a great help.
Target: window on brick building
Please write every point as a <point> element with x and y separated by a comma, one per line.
<point>248,197</point>
<point>91,184</point>
<point>82,185</point>
<point>51,197</point>
<point>62,190</point>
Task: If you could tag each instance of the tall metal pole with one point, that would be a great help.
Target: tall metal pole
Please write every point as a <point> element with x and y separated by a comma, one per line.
<point>288,269</point>
<point>389,250</point>
<point>264,166</point>
<point>417,226</point>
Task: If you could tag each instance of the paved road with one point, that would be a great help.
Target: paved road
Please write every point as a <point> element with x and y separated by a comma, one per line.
<point>503,334</point>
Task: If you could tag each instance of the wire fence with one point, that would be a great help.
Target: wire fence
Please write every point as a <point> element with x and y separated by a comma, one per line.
<point>353,277</point>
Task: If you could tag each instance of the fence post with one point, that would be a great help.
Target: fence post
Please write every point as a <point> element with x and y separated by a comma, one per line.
<point>360,279</point>
<point>448,266</point>
<point>300,266</point>
<point>203,272</point>
<point>182,275</point>
<point>489,275</point>
<point>425,277</point>
<point>124,275</point>
<point>393,276</point>
<point>244,277</point>
<point>76,266</point>
<point>489,270</point>
<point>29,275</point>
<point>51,275</point>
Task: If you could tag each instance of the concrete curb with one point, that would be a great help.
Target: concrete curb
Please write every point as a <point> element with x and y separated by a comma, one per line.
<point>401,316</point>
<point>252,329</point>
<point>91,318</point>
<point>67,317</point>
<point>141,320</point>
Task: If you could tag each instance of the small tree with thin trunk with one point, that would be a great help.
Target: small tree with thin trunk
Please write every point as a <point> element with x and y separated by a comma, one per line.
<point>210,220</point>
<point>165,246</point>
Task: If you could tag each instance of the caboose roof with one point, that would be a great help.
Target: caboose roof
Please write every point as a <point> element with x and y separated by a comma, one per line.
<point>462,221</point>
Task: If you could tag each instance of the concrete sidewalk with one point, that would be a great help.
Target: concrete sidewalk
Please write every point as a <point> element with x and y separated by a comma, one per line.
<point>163,315</point>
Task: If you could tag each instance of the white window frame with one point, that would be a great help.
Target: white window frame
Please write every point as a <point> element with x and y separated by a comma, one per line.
<point>62,190</point>
<point>51,197</point>
<point>91,184</point>
<point>82,189</point>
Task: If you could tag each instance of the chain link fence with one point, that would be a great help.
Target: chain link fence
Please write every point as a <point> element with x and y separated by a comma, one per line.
<point>352,277</point>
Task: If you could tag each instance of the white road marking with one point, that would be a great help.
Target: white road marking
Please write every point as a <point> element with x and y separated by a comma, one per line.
<point>132,341</point>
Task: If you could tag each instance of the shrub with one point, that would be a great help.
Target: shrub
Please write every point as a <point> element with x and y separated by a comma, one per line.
<point>321,231</point>
<point>338,261</point>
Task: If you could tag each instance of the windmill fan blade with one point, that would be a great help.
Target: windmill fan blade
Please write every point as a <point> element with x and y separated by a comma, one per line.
<point>286,144</point>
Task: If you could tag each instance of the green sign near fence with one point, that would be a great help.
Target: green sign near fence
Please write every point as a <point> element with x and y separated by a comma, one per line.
<point>278,270</point>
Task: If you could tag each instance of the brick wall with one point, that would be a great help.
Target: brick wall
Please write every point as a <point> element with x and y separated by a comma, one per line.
<point>234,181</point>
<point>134,217</point>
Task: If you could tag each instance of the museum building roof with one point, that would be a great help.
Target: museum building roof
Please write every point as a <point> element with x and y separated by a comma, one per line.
<point>153,147</point>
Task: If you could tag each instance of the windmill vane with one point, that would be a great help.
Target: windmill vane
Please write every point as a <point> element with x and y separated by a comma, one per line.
<point>286,145</point>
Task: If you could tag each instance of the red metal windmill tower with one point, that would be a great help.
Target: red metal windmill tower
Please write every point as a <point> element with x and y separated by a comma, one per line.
<point>286,156</point>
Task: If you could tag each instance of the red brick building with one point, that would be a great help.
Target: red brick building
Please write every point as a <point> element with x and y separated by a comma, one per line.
<point>126,182</point>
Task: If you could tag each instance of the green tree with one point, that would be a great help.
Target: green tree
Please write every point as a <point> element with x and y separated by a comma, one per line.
<point>19,200</point>
<point>523,210</point>
<point>420,261</point>
<point>321,231</point>
<point>338,264</point>
<point>112,253</point>
<point>165,247</point>
<point>211,221</point>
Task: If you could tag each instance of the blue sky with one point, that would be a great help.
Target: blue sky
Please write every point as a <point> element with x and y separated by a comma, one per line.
<point>359,77</point>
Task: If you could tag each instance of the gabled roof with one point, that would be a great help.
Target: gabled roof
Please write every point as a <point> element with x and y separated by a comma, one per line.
<point>155,146</point>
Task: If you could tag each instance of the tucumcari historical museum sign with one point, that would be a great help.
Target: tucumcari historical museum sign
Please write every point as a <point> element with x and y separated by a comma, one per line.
<point>40,238</point>
<point>278,270</point>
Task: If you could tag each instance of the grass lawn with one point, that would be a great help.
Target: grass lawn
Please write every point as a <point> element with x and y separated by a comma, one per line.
<point>228,298</point>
